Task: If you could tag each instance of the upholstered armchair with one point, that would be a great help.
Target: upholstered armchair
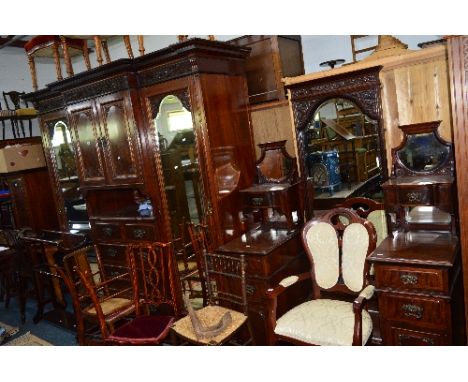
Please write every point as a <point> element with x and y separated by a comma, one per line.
<point>337,246</point>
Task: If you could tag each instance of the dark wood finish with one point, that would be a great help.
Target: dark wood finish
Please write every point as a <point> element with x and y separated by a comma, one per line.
<point>271,59</point>
<point>334,218</point>
<point>111,111</point>
<point>409,188</point>
<point>457,47</point>
<point>418,282</point>
<point>271,255</point>
<point>31,193</point>
<point>362,87</point>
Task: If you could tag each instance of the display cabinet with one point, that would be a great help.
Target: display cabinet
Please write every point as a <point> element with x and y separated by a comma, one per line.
<point>158,141</point>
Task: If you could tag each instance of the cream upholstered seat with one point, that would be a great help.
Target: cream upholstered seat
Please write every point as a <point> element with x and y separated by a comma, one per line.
<point>323,322</point>
<point>337,252</point>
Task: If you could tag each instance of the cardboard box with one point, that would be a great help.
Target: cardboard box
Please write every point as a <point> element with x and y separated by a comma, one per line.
<point>21,157</point>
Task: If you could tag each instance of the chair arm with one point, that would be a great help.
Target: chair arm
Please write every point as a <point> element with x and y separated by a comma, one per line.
<point>283,285</point>
<point>272,302</point>
<point>365,295</point>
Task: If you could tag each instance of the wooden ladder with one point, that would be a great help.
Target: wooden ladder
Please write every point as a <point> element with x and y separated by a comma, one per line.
<point>355,51</point>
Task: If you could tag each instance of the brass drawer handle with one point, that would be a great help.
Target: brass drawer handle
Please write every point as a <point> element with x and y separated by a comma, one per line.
<point>108,231</point>
<point>250,289</point>
<point>139,233</point>
<point>414,311</point>
<point>409,279</point>
<point>404,337</point>
<point>257,201</point>
<point>415,197</point>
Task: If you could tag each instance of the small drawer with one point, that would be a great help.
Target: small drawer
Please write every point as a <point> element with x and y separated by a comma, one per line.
<point>415,196</point>
<point>107,231</point>
<point>140,232</point>
<point>411,278</point>
<point>424,312</point>
<point>406,337</point>
<point>113,254</point>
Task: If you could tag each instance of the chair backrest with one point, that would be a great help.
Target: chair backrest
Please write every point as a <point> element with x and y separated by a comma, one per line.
<point>372,211</point>
<point>226,280</point>
<point>153,273</point>
<point>337,245</point>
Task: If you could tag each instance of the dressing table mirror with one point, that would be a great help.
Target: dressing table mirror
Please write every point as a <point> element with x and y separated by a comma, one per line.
<point>421,191</point>
<point>278,193</point>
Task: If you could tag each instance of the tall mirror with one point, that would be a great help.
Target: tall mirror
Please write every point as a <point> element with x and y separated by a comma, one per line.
<point>74,202</point>
<point>343,157</point>
<point>176,135</point>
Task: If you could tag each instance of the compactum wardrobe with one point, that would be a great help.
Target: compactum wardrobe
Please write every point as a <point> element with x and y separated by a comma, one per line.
<point>150,143</point>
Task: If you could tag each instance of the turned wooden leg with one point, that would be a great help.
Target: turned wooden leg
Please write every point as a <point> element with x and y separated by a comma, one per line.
<point>128,46</point>
<point>141,47</point>
<point>105,48</point>
<point>86,55</point>
<point>32,69</point>
<point>66,56</point>
<point>98,46</point>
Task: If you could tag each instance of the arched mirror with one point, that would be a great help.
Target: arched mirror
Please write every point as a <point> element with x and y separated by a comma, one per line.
<point>342,151</point>
<point>74,202</point>
<point>177,142</point>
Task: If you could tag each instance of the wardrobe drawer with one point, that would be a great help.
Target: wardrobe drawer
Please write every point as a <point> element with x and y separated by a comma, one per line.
<point>140,232</point>
<point>424,312</point>
<point>107,231</point>
<point>113,254</point>
<point>415,196</point>
<point>411,278</point>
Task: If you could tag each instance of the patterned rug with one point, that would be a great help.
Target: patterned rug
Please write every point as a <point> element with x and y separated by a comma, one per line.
<point>28,339</point>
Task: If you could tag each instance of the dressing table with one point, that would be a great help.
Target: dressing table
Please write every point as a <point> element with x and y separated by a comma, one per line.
<point>277,192</point>
<point>417,268</point>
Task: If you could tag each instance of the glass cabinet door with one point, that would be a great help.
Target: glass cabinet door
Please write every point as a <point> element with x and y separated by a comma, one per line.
<point>63,158</point>
<point>180,164</point>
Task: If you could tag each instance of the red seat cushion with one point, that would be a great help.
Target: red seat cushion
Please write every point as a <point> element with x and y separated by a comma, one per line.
<point>143,330</point>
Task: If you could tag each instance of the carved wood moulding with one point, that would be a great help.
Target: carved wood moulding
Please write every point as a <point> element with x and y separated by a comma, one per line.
<point>362,87</point>
<point>109,86</point>
<point>167,72</point>
<point>182,94</point>
<point>49,104</point>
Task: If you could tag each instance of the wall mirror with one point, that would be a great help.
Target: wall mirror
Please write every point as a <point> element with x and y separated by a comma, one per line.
<point>64,157</point>
<point>177,142</point>
<point>342,149</point>
<point>340,142</point>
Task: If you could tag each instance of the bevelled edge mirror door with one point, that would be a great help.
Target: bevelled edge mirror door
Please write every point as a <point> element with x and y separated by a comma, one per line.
<point>176,138</point>
<point>422,152</point>
<point>63,153</point>
<point>342,149</point>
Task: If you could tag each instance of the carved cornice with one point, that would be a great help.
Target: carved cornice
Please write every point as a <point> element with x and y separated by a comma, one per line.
<point>167,72</point>
<point>108,86</point>
<point>49,104</point>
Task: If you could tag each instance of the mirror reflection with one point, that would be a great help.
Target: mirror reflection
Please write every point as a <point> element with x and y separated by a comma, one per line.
<point>423,152</point>
<point>343,151</point>
<point>275,167</point>
<point>75,204</point>
<point>177,144</point>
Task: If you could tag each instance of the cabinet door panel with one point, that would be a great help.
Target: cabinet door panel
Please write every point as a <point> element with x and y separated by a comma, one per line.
<point>119,141</point>
<point>87,141</point>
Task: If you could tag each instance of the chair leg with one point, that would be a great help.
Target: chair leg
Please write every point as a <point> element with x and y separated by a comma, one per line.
<point>105,48</point>
<point>128,46</point>
<point>98,47</point>
<point>66,56</point>
<point>141,47</point>
<point>58,68</point>
<point>32,69</point>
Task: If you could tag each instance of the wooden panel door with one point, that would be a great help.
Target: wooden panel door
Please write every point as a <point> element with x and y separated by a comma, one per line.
<point>119,140</point>
<point>87,140</point>
<point>21,210</point>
